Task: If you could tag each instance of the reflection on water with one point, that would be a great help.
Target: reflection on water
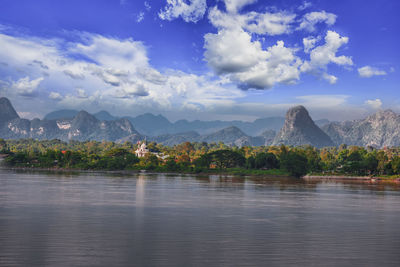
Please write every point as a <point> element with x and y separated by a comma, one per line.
<point>49,219</point>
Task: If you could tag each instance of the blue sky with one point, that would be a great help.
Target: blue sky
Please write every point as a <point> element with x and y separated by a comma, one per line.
<point>198,59</point>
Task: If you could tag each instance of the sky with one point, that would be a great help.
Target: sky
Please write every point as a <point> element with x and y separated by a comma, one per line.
<point>201,59</point>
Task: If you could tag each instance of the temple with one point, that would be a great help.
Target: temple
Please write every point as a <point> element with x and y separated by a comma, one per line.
<point>142,150</point>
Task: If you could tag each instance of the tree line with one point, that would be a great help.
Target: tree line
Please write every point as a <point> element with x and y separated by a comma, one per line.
<point>202,157</point>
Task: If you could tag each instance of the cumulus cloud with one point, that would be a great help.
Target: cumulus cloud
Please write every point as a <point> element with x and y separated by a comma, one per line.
<point>113,73</point>
<point>55,96</point>
<point>325,54</point>
<point>254,22</point>
<point>189,11</point>
<point>309,43</point>
<point>26,87</point>
<point>322,56</point>
<point>268,23</point>
<point>368,71</point>
<point>233,52</point>
<point>281,66</point>
<point>329,78</point>
<point>310,20</point>
<point>233,6</point>
<point>375,104</point>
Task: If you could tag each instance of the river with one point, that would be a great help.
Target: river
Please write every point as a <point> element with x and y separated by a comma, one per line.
<point>94,219</point>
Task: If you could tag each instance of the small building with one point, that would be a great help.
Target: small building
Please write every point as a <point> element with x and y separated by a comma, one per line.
<point>142,150</point>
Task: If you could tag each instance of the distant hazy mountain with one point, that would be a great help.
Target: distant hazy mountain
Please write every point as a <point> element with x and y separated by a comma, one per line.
<point>83,126</point>
<point>378,130</point>
<point>154,125</point>
<point>7,111</point>
<point>71,113</point>
<point>230,136</point>
<point>178,138</point>
<point>104,116</point>
<point>150,124</point>
<point>61,114</point>
<point>300,129</point>
<point>321,122</point>
<point>250,128</point>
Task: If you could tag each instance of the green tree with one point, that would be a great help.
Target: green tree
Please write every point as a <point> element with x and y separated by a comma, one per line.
<point>266,161</point>
<point>295,163</point>
<point>224,159</point>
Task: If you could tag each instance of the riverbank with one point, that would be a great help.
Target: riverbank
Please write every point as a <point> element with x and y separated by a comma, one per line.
<point>228,172</point>
<point>352,178</point>
<point>274,173</point>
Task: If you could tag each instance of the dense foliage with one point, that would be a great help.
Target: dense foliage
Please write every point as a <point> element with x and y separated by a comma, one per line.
<point>201,157</point>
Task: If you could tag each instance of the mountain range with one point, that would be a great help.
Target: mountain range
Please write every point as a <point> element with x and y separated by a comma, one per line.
<point>297,128</point>
<point>155,125</point>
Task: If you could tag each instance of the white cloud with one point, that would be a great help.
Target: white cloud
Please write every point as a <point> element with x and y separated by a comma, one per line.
<point>368,71</point>
<point>280,66</point>
<point>147,5</point>
<point>126,55</point>
<point>140,17</point>
<point>189,12</point>
<point>309,43</point>
<point>74,74</point>
<point>116,76</point>
<point>304,6</point>
<point>375,104</point>
<point>233,6</point>
<point>269,23</point>
<point>330,78</point>
<point>325,54</point>
<point>26,87</point>
<point>55,96</point>
<point>311,19</point>
<point>254,22</point>
<point>81,93</point>
<point>232,52</point>
<point>322,56</point>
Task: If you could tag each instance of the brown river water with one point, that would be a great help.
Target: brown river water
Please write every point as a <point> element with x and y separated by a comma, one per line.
<point>95,219</point>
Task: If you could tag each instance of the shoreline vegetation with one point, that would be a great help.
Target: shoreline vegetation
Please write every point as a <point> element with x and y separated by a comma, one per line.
<point>309,163</point>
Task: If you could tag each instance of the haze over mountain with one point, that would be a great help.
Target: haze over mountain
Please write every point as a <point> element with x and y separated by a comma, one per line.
<point>154,125</point>
<point>378,130</point>
<point>83,126</point>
